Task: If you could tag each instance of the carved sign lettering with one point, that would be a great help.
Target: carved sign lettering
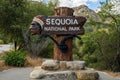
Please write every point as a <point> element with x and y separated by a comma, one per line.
<point>60,24</point>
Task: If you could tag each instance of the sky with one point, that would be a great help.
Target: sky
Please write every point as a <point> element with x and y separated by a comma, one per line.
<point>92,4</point>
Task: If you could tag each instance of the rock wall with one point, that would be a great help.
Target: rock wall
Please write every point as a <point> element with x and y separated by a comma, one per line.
<point>63,70</point>
<point>83,10</point>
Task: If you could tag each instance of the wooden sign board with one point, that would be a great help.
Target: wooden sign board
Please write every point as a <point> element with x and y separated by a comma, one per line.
<point>61,24</point>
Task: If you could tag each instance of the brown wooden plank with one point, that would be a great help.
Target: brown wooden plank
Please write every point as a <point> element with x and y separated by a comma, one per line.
<point>61,24</point>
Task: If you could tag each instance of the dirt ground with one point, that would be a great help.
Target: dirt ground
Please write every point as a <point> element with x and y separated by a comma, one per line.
<point>3,66</point>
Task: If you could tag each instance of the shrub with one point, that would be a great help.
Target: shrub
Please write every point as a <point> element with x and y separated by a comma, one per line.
<point>1,42</point>
<point>15,58</point>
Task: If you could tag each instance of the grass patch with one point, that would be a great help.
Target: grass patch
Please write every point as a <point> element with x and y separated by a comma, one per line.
<point>32,62</point>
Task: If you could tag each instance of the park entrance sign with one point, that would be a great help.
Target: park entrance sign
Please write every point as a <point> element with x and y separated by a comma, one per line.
<point>60,24</point>
<point>61,28</point>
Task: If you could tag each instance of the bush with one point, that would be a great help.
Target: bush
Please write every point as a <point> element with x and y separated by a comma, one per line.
<point>1,42</point>
<point>15,58</point>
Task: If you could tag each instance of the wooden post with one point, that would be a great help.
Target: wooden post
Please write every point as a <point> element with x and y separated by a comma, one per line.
<point>58,55</point>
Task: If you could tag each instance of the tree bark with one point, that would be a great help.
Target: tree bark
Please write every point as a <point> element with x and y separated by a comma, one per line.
<point>58,55</point>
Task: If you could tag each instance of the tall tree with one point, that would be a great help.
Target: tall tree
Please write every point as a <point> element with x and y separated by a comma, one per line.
<point>108,11</point>
<point>16,16</point>
<point>12,19</point>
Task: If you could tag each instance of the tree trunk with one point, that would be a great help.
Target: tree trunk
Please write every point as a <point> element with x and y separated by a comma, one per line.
<point>58,55</point>
<point>15,45</point>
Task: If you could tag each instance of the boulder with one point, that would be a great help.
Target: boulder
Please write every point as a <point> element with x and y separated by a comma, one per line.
<point>41,74</point>
<point>87,75</point>
<point>53,65</point>
<point>75,65</point>
<point>79,65</point>
<point>50,65</point>
<point>61,75</point>
<point>63,65</point>
<point>63,70</point>
<point>37,73</point>
<point>70,65</point>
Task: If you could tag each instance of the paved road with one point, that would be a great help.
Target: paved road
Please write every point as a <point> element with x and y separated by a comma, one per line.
<point>105,76</point>
<point>5,47</point>
<point>16,74</point>
<point>23,74</point>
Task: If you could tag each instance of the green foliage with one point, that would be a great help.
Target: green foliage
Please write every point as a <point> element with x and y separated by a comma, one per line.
<point>17,15</point>
<point>15,19</point>
<point>41,47</point>
<point>99,50</point>
<point>12,19</point>
<point>4,39</point>
<point>100,46</point>
<point>40,8</point>
<point>87,48</point>
<point>15,58</point>
<point>112,43</point>
<point>1,41</point>
<point>47,52</point>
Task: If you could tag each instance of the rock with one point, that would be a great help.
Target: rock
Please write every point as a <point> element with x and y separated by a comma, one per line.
<point>75,65</point>
<point>41,74</point>
<point>63,65</point>
<point>50,65</point>
<point>38,68</point>
<point>79,65</point>
<point>61,75</point>
<point>83,10</point>
<point>53,65</point>
<point>70,65</point>
<point>37,73</point>
<point>87,75</point>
